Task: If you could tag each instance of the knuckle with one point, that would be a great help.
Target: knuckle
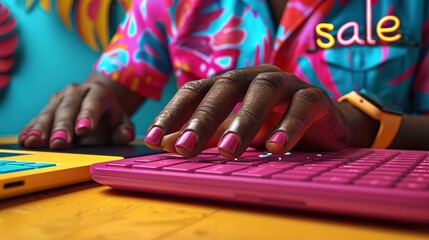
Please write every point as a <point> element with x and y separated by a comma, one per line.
<point>312,95</point>
<point>249,116</point>
<point>269,80</point>
<point>270,67</point>
<point>63,124</point>
<point>86,112</point>
<point>48,110</point>
<point>208,112</point>
<point>234,78</point>
<point>72,88</point>
<point>196,87</point>
<point>69,102</point>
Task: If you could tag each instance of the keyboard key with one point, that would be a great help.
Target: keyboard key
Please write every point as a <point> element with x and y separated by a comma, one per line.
<point>415,179</point>
<point>260,172</point>
<point>341,174</point>
<point>246,162</point>
<point>19,163</point>
<point>279,165</point>
<point>393,169</point>
<point>158,165</point>
<point>187,167</point>
<point>312,168</point>
<point>120,164</point>
<point>302,172</point>
<point>221,169</point>
<point>413,185</point>
<point>291,177</point>
<point>348,170</point>
<point>41,165</point>
<point>380,177</point>
<point>374,183</point>
<point>13,168</point>
<point>386,173</point>
<point>3,162</point>
<point>337,180</point>
<point>165,156</point>
<point>426,171</point>
<point>350,166</point>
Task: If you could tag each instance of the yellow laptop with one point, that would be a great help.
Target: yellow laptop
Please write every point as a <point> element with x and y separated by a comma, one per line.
<point>26,171</point>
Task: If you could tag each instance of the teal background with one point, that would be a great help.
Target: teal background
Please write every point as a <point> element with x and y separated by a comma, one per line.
<point>48,58</point>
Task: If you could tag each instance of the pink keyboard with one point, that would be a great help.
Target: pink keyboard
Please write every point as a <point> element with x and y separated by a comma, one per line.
<point>392,184</point>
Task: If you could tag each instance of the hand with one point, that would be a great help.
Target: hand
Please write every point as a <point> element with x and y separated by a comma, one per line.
<point>278,110</point>
<point>87,113</point>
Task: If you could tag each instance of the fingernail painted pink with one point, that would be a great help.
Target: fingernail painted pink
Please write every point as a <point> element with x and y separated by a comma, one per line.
<point>37,133</point>
<point>60,134</point>
<point>23,134</point>
<point>154,136</point>
<point>83,123</point>
<point>130,133</point>
<point>229,143</point>
<point>279,138</point>
<point>187,140</point>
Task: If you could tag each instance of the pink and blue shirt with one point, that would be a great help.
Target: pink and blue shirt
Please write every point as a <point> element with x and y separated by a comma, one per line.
<point>195,39</point>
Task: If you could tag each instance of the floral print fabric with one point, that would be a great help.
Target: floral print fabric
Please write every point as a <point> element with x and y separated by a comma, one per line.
<point>195,39</point>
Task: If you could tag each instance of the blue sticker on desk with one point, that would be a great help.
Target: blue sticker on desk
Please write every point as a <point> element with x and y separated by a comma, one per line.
<point>8,154</point>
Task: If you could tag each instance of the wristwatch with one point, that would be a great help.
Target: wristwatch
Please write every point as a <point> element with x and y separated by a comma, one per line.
<point>390,119</point>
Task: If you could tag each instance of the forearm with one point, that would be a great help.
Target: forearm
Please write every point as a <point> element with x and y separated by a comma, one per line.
<point>130,101</point>
<point>413,133</point>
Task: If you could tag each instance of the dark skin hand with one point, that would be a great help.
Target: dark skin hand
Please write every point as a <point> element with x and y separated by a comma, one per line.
<point>104,105</point>
<point>278,111</point>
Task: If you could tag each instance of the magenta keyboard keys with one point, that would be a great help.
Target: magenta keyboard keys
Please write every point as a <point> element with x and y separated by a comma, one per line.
<point>221,169</point>
<point>359,167</point>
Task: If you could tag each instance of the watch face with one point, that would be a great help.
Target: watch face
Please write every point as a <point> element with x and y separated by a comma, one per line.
<point>372,98</point>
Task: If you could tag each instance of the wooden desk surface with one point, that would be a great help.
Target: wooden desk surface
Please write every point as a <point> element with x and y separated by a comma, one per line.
<point>92,211</point>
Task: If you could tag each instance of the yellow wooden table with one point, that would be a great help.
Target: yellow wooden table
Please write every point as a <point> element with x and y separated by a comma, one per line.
<point>92,211</point>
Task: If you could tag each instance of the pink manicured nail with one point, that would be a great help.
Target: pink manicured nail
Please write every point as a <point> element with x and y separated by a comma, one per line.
<point>59,134</point>
<point>279,138</point>
<point>83,123</point>
<point>23,134</point>
<point>154,136</point>
<point>229,143</point>
<point>187,140</point>
<point>129,132</point>
<point>36,133</point>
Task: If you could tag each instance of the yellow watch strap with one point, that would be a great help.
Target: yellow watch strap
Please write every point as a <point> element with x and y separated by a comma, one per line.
<point>389,122</point>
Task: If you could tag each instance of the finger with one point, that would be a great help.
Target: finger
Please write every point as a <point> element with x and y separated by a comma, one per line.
<point>177,112</point>
<point>229,89</point>
<point>23,134</point>
<point>124,129</point>
<point>36,133</point>
<point>266,90</point>
<point>92,108</point>
<point>308,105</point>
<point>62,133</point>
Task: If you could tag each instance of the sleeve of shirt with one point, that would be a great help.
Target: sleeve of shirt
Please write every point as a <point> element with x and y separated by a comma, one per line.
<point>421,83</point>
<point>137,56</point>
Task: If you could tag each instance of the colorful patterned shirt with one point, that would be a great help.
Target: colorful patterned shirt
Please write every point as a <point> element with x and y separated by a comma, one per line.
<point>195,39</point>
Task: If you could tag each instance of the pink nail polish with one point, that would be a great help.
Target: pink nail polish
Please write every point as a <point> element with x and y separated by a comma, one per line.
<point>83,123</point>
<point>154,136</point>
<point>229,143</point>
<point>187,140</point>
<point>23,134</point>
<point>36,133</point>
<point>59,134</point>
<point>129,132</point>
<point>279,138</point>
